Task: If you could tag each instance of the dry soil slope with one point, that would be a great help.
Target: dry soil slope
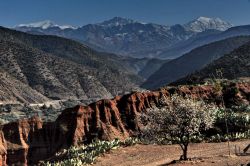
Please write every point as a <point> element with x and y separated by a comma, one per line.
<point>60,68</point>
<point>12,91</point>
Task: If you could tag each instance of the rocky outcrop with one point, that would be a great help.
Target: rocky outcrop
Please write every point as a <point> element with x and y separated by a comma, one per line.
<point>233,93</point>
<point>3,150</point>
<point>18,138</point>
<point>29,141</point>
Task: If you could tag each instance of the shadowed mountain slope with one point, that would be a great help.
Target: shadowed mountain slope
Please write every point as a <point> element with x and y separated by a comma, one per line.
<point>193,61</point>
<point>231,66</point>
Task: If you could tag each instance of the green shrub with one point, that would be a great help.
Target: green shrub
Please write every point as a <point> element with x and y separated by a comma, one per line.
<point>237,121</point>
<point>87,154</point>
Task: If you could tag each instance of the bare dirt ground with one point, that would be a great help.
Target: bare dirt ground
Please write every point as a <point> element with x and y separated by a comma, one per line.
<point>202,154</point>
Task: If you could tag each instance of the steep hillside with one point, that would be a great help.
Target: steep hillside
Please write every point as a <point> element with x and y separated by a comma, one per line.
<point>193,61</point>
<point>78,53</point>
<point>231,66</point>
<point>60,68</point>
<point>57,78</point>
<point>64,48</point>
<point>13,91</point>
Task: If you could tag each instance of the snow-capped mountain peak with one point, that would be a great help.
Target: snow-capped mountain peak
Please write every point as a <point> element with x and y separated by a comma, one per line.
<point>203,19</point>
<point>117,21</point>
<point>44,25</point>
<point>204,23</point>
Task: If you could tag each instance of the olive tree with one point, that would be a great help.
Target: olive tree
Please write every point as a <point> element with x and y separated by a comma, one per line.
<point>177,119</point>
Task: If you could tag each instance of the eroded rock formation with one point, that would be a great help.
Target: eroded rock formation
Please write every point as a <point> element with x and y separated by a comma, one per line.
<point>3,150</point>
<point>29,141</point>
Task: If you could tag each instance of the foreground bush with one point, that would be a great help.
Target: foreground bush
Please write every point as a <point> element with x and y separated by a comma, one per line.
<point>86,154</point>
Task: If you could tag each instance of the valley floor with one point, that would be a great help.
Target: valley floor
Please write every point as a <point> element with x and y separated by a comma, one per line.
<point>203,154</point>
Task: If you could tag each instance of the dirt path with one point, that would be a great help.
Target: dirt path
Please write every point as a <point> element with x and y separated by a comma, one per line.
<point>208,154</point>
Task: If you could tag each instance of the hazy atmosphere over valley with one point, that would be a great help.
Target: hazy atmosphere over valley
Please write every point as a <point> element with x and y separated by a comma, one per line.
<point>125,82</point>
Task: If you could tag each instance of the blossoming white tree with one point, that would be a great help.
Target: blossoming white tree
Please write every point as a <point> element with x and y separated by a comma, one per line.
<point>178,119</point>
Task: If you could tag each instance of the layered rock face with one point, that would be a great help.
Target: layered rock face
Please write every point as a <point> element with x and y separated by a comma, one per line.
<point>18,136</point>
<point>29,141</point>
<point>3,150</point>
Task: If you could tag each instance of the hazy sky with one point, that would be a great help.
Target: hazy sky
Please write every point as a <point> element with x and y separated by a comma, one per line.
<point>81,12</point>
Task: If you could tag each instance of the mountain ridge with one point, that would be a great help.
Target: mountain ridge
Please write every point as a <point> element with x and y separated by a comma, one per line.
<point>204,23</point>
<point>208,23</point>
<point>45,24</point>
<point>132,38</point>
<point>204,38</point>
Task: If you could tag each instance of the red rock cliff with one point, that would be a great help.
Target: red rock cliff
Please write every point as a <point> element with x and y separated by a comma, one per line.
<point>29,141</point>
<point>3,150</point>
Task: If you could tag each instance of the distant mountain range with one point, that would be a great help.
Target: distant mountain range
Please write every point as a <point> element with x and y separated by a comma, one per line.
<point>143,48</point>
<point>203,38</point>
<point>46,24</point>
<point>128,37</point>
